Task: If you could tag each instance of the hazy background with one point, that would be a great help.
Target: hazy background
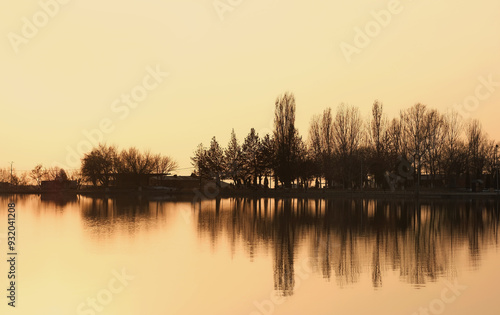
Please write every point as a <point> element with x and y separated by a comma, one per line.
<point>227,73</point>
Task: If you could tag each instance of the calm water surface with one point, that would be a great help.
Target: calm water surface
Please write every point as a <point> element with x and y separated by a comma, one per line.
<point>244,256</point>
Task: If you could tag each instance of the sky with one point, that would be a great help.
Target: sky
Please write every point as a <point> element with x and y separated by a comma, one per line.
<point>167,75</point>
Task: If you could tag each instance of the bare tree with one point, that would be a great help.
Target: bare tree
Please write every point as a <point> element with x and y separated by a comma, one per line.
<point>315,147</point>
<point>23,179</point>
<point>327,141</point>
<point>322,144</point>
<point>315,136</point>
<point>378,129</point>
<point>435,144</point>
<point>100,164</point>
<point>416,132</point>
<point>395,137</point>
<point>38,174</point>
<point>5,175</point>
<point>165,164</point>
<point>285,136</point>
<point>347,138</point>
<point>378,143</point>
<point>478,146</point>
<point>134,164</point>
<point>307,167</point>
<point>452,157</point>
<point>132,161</point>
<point>52,173</point>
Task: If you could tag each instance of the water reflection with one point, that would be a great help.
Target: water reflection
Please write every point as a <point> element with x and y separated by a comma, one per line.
<point>420,240</point>
<point>58,200</point>
<point>344,239</point>
<point>106,217</point>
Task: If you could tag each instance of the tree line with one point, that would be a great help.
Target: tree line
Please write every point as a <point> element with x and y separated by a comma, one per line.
<point>346,151</point>
<point>35,176</point>
<point>105,163</point>
<point>342,150</point>
<point>102,166</point>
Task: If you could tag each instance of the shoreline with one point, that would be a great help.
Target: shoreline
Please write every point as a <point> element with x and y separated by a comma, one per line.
<point>197,194</point>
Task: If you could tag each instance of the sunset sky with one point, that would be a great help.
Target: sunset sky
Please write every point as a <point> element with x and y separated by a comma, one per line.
<point>227,61</point>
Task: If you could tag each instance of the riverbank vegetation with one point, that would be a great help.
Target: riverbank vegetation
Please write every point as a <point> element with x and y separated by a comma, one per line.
<point>421,147</point>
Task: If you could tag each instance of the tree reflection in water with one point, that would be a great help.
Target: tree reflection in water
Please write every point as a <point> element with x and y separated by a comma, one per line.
<point>344,238</point>
<point>420,239</point>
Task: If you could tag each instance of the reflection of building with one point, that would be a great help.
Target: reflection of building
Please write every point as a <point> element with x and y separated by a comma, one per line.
<point>56,185</point>
<point>58,199</point>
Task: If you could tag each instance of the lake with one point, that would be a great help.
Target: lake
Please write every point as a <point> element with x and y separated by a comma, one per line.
<point>133,255</point>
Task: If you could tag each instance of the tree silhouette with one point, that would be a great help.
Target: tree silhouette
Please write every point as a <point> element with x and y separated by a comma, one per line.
<point>233,159</point>
<point>250,157</point>
<point>100,164</point>
<point>379,143</point>
<point>285,136</point>
<point>344,150</point>
<point>38,173</point>
<point>215,160</point>
<point>347,138</point>
<point>267,157</point>
<point>103,163</point>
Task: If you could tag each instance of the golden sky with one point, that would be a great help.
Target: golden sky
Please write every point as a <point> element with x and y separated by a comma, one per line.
<point>68,67</point>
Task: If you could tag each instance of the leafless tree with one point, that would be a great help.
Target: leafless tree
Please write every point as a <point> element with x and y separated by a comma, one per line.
<point>347,131</point>
<point>100,164</point>
<point>38,173</point>
<point>452,157</point>
<point>478,146</point>
<point>395,137</point>
<point>416,133</point>
<point>322,143</point>
<point>286,138</point>
<point>378,128</point>
<point>435,144</point>
<point>165,164</point>
<point>379,137</point>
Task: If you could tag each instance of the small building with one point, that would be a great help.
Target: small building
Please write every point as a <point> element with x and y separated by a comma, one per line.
<point>177,182</point>
<point>130,180</point>
<point>58,185</point>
